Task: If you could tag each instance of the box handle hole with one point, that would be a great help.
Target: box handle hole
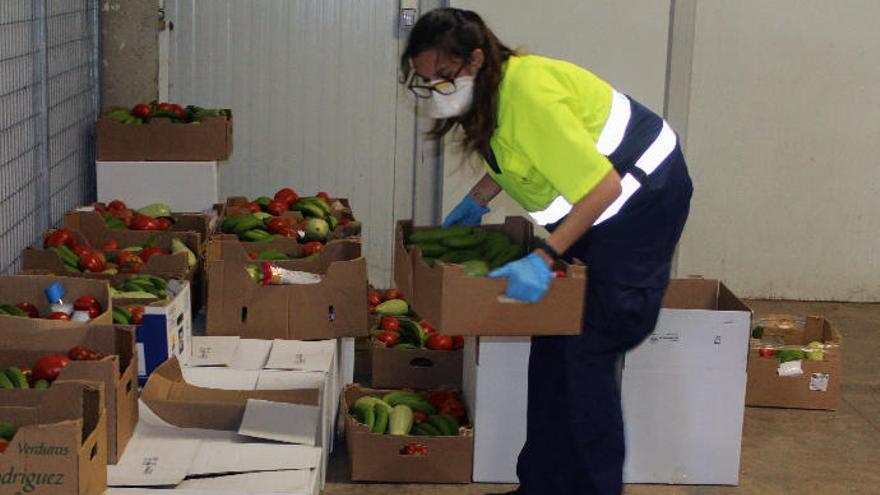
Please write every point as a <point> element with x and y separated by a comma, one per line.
<point>94,451</point>
<point>244,315</point>
<point>421,362</point>
<point>331,313</point>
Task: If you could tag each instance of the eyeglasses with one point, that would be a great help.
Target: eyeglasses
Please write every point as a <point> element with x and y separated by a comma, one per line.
<point>443,87</point>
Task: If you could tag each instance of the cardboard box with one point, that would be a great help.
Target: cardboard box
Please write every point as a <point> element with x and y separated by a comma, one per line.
<point>375,457</point>
<point>495,385</point>
<point>162,140</point>
<point>684,388</point>
<point>165,329</point>
<point>60,447</point>
<point>421,369</point>
<point>117,372</point>
<point>184,186</point>
<point>805,384</point>
<point>88,221</point>
<point>162,457</point>
<point>345,212</point>
<point>29,288</point>
<point>460,305</point>
<point>335,307</point>
<point>246,364</point>
<point>680,360</point>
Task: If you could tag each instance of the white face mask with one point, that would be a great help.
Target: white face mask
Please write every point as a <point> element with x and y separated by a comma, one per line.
<point>458,103</point>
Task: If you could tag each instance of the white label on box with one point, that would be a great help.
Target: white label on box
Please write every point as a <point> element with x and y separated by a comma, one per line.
<point>282,422</point>
<point>819,382</point>
<point>213,351</point>
<point>791,368</point>
<point>300,355</point>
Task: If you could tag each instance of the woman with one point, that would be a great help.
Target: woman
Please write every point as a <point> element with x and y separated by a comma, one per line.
<point>607,178</point>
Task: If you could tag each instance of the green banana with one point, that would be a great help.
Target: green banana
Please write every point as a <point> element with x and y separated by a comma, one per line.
<point>320,203</point>
<point>17,377</point>
<point>441,423</point>
<point>256,235</point>
<point>427,430</point>
<point>309,209</point>
<point>369,401</point>
<point>437,234</point>
<point>510,253</point>
<point>421,405</point>
<point>460,255</point>
<point>13,311</point>
<point>473,239</point>
<point>121,316</point>
<point>366,415</point>
<point>430,249</point>
<point>248,223</point>
<point>392,397</point>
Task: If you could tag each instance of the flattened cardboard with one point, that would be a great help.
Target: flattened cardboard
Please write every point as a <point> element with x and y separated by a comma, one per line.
<point>60,447</point>
<point>336,307</point>
<point>29,288</point>
<point>421,369</point>
<point>162,140</point>
<point>187,406</point>
<point>819,385</point>
<point>117,372</point>
<point>375,457</point>
<point>460,305</point>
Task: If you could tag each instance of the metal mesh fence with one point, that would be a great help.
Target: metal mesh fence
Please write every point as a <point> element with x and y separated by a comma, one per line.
<point>48,103</point>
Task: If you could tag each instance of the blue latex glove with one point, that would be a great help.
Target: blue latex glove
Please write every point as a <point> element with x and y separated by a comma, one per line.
<point>528,278</point>
<point>468,212</point>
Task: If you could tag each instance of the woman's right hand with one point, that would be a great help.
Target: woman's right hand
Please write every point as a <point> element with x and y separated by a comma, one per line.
<point>467,212</point>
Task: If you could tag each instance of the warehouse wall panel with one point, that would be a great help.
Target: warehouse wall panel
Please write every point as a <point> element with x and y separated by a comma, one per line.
<point>782,144</point>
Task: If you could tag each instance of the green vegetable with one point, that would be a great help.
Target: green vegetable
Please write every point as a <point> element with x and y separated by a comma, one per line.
<point>382,415</point>
<point>177,246</point>
<point>472,239</point>
<point>392,307</point>
<point>475,268</point>
<point>758,332</point>
<point>7,430</point>
<point>786,355</point>
<point>410,333</point>
<point>156,210</point>
<point>17,377</point>
<point>401,420</point>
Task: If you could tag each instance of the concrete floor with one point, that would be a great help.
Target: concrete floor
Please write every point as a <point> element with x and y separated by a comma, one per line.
<point>783,451</point>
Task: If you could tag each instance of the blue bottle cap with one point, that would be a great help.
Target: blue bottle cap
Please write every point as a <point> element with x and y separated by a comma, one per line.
<point>54,293</point>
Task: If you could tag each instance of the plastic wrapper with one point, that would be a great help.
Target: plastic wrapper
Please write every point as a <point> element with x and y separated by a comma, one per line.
<point>274,275</point>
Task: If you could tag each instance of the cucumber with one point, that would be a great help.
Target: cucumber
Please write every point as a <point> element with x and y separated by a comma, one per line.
<point>453,424</point>
<point>7,430</point>
<point>41,384</point>
<point>367,415</point>
<point>381,424</point>
<point>5,382</point>
<point>401,420</point>
<point>435,234</point>
<point>475,238</point>
<point>430,249</point>
<point>392,398</point>
<point>249,222</point>
<point>441,425</point>
<point>13,311</point>
<point>17,377</point>
<point>475,268</point>
<point>371,401</point>
<point>510,253</point>
<point>460,255</point>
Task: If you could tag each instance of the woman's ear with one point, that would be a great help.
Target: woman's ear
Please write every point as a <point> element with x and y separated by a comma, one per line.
<point>477,59</point>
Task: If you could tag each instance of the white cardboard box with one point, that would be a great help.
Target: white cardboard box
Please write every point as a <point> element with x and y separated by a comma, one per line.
<point>693,439</point>
<point>165,331</point>
<point>185,186</point>
<point>250,364</point>
<point>495,384</point>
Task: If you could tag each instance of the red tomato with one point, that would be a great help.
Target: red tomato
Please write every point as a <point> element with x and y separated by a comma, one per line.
<point>559,273</point>
<point>49,367</point>
<point>420,417</point>
<point>110,246</point>
<point>81,353</point>
<point>60,237</point>
<point>58,316</point>
<point>428,328</point>
<point>440,342</point>
<point>276,208</point>
<point>390,323</point>
<point>143,222</point>
<point>277,224</point>
<point>388,338</point>
<point>289,232</point>
<point>141,110</point>
<point>130,263</point>
<point>253,207</point>
<point>457,342</point>
<point>137,314</point>
<point>171,107</point>
<point>415,449</point>
<point>80,251</point>
<point>91,263</point>
<point>26,372</point>
<point>149,252</point>
<point>766,352</point>
<point>452,407</point>
<point>372,309</point>
<point>311,248</point>
<point>438,397</point>
<point>324,196</point>
<point>4,444</point>
<point>164,223</point>
<point>117,204</point>
<point>83,303</point>
<point>392,294</point>
<point>253,255</point>
<point>29,308</point>
<point>374,297</point>
<point>344,222</point>
<point>286,196</point>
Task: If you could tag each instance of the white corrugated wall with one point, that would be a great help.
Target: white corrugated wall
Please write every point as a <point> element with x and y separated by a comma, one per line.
<point>313,88</point>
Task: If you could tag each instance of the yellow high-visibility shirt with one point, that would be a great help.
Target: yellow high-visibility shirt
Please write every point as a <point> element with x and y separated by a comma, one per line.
<point>550,116</point>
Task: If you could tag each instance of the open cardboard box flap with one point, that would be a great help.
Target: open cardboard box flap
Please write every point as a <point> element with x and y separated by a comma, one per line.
<point>188,406</point>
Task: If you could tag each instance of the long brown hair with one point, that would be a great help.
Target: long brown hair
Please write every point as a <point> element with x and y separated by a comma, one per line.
<point>457,33</point>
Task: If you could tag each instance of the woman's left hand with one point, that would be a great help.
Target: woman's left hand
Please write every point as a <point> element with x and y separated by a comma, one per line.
<point>528,278</point>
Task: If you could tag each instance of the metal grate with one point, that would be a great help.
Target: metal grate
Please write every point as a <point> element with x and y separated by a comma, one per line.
<point>48,103</point>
